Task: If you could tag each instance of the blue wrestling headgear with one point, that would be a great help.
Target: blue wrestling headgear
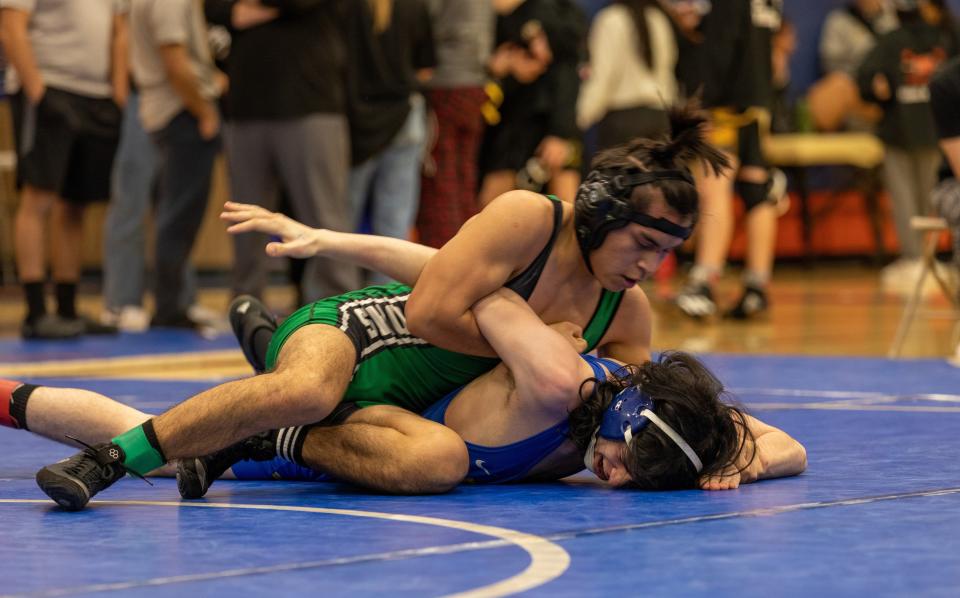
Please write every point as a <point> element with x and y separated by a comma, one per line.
<point>603,205</point>
<point>626,416</point>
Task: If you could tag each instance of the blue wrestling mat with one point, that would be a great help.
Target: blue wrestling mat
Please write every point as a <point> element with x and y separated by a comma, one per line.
<point>876,514</point>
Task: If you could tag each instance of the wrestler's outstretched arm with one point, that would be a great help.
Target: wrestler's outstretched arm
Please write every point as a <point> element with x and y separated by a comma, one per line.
<point>772,453</point>
<point>399,259</point>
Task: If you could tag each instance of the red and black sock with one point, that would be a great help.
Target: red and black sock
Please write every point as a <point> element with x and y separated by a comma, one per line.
<point>13,403</point>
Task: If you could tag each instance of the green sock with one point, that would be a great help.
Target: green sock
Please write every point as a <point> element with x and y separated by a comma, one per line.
<point>142,453</point>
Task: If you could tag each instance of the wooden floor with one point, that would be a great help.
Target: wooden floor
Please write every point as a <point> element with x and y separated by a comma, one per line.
<point>827,309</point>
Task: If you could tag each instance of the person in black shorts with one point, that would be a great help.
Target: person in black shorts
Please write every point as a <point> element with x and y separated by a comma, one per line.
<point>533,141</point>
<point>725,53</point>
<point>70,76</point>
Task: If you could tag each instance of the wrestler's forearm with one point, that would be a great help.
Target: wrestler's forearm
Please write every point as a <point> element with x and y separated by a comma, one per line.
<point>777,454</point>
<point>399,259</point>
<point>543,363</point>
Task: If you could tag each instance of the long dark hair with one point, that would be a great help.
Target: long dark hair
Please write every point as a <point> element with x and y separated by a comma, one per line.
<point>687,396</point>
<point>637,9</point>
<point>684,144</point>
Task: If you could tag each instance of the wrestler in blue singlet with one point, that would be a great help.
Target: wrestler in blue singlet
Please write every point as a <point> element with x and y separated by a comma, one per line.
<point>488,465</point>
<point>510,463</point>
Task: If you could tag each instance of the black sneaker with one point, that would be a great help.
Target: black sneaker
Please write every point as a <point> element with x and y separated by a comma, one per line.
<point>51,327</point>
<point>74,481</point>
<point>752,303</point>
<point>93,327</point>
<point>195,476</point>
<point>247,316</point>
<point>696,301</point>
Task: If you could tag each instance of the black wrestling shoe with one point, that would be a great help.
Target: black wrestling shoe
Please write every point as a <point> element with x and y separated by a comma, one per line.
<point>752,303</point>
<point>195,476</point>
<point>74,481</point>
<point>248,316</point>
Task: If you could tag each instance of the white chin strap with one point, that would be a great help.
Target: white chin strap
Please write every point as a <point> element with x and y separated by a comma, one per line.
<point>628,437</point>
<point>591,448</point>
<point>676,438</point>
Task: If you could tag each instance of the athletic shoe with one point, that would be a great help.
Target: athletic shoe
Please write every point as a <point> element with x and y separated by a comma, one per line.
<point>247,316</point>
<point>696,301</point>
<point>752,303</point>
<point>129,318</point>
<point>51,327</point>
<point>195,476</point>
<point>74,481</point>
<point>93,327</point>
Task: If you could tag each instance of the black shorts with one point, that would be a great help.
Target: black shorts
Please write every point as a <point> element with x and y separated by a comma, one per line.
<point>66,144</point>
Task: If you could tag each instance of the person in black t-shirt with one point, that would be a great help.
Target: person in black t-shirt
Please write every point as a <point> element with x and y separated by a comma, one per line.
<point>390,50</point>
<point>286,126</point>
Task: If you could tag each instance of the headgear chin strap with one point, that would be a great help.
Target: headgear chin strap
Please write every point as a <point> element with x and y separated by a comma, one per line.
<point>627,415</point>
<point>603,205</point>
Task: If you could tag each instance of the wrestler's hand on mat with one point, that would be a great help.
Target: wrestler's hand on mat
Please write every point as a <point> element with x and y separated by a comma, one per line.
<point>573,334</point>
<point>745,469</point>
<point>296,239</point>
<point>728,479</point>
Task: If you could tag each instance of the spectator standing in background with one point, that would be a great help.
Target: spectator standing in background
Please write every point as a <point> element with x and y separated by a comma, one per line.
<point>390,49</point>
<point>288,127</point>
<point>179,86</point>
<point>632,82</point>
<point>70,79</point>
<point>726,52</point>
<point>535,141</point>
<point>463,34</point>
<point>896,74</point>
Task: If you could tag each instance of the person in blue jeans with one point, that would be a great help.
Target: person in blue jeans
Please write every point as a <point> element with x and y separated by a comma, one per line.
<point>390,49</point>
<point>124,260</point>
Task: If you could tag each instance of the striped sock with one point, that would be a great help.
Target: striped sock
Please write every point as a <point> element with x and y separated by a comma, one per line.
<point>289,443</point>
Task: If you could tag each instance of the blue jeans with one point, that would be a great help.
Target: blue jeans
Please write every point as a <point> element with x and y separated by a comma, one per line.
<point>184,171</point>
<point>134,174</point>
<point>388,184</point>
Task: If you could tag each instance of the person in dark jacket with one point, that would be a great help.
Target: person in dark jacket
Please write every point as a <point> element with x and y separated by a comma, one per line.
<point>896,74</point>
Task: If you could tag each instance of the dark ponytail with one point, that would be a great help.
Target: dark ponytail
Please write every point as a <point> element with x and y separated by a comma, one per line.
<point>686,143</point>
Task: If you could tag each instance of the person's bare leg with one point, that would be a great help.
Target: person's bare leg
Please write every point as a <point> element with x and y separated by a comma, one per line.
<point>90,417</point>
<point>716,219</point>
<point>30,232</point>
<point>564,185</point>
<point>389,449</point>
<point>67,232</point>
<point>314,368</point>
<point>761,240</point>
<point>495,184</point>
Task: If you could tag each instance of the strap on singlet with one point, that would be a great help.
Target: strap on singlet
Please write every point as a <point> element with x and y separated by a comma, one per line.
<point>602,318</point>
<point>524,283</point>
<point>595,364</point>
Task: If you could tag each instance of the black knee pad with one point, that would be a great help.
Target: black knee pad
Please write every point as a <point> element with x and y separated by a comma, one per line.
<point>752,194</point>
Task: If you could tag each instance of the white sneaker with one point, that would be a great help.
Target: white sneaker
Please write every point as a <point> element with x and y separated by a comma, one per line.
<point>129,318</point>
<point>901,274</point>
<point>133,318</point>
<point>208,318</point>
<point>901,277</point>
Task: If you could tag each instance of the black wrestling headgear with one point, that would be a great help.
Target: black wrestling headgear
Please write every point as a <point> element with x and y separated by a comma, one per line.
<point>603,205</point>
